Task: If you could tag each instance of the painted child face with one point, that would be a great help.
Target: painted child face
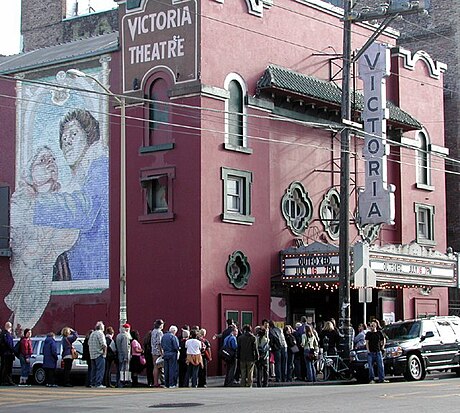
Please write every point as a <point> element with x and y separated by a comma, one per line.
<point>44,169</point>
<point>73,142</point>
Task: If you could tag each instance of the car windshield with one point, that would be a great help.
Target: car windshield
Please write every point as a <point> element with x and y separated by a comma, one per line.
<point>402,331</point>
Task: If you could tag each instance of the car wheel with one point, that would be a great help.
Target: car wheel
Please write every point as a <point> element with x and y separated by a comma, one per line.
<point>39,375</point>
<point>414,369</point>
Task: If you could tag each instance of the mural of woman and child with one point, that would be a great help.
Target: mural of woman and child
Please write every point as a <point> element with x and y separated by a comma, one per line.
<point>60,234</point>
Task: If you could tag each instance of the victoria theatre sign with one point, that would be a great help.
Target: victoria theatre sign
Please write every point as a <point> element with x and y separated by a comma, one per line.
<point>376,201</point>
<point>159,34</point>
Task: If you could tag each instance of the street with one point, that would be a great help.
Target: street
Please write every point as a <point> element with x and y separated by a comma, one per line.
<point>437,393</point>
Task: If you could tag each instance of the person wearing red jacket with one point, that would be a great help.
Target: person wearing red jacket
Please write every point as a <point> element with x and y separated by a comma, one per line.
<point>25,352</point>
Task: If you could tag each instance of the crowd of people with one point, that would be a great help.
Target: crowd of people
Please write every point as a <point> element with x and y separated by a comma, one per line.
<point>180,358</point>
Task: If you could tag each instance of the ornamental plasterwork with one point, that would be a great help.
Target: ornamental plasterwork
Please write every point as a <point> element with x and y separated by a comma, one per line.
<point>297,208</point>
<point>255,7</point>
<point>368,232</point>
<point>413,249</point>
<point>329,212</point>
<point>238,269</point>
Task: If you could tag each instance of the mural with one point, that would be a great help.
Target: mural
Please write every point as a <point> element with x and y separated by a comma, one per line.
<point>60,207</point>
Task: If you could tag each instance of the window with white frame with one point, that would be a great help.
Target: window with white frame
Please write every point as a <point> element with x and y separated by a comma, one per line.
<point>423,160</point>
<point>235,114</point>
<point>237,196</point>
<point>425,223</point>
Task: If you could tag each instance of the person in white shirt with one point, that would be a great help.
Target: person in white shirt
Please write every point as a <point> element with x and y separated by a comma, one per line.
<point>194,359</point>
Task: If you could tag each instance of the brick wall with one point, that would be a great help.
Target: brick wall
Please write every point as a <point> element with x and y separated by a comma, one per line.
<point>42,24</point>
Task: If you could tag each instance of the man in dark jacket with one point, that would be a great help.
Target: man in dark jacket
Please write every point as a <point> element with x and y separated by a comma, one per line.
<point>50,357</point>
<point>248,354</point>
<point>170,345</point>
<point>7,355</point>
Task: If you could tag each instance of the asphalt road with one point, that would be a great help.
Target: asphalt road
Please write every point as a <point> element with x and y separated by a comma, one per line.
<point>440,393</point>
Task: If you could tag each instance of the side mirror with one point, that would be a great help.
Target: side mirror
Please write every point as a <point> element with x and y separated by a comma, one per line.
<point>428,334</point>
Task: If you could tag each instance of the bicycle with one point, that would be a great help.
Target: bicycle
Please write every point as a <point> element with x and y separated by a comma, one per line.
<point>332,367</point>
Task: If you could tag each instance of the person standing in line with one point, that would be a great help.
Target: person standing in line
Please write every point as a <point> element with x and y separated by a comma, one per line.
<point>7,355</point>
<point>170,346</point>
<point>157,333</point>
<point>311,350</point>
<point>111,357</point>
<point>292,351</point>
<point>68,338</point>
<point>148,358</point>
<point>97,352</point>
<point>279,348</point>
<point>183,355</point>
<point>50,357</point>
<point>206,356</point>
<point>375,343</point>
<point>135,365</point>
<point>123,343</point>
<point>85,356</point>
<point>262,364</point>
<point>194,359</point>
<point>25,352</point>
<point>230,342</point>
<point>248,354</point>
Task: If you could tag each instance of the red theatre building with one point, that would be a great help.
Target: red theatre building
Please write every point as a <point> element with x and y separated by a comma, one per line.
<point>231,115</point>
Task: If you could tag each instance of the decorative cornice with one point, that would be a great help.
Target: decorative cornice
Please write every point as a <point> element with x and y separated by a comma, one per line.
<point>435,68</point>
<point>255,7</point>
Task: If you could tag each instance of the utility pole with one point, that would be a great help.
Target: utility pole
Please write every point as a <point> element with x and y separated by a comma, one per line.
<point>388,11</point>
<point>344,240</point>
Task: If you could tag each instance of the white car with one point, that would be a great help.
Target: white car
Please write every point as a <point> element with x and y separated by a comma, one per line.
<point>79,368</point>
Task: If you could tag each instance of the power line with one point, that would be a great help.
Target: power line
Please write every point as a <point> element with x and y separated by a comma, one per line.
<point>196,130</point>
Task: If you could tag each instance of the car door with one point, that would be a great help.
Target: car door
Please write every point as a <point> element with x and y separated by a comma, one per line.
<point>431,346</point>
<point>448,342</point>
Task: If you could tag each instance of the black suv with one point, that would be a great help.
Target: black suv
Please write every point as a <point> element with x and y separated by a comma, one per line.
<point>414,348</point>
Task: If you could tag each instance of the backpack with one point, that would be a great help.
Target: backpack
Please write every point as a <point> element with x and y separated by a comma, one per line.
<point>111,349</point>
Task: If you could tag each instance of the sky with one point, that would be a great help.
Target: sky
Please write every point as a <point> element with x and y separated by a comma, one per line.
<point>10,18</point>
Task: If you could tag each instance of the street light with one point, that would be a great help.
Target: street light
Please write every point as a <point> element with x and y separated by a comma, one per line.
<point>74,73</point>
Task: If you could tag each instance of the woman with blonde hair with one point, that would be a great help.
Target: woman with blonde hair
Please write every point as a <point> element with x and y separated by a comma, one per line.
<point>311,350</point>
<point>68,338</point>
<point>329,339</point>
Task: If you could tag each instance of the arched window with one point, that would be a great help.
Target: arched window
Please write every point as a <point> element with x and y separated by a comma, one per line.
<point>159,113</point>
<point>235,114</point>
<point>423,160</point>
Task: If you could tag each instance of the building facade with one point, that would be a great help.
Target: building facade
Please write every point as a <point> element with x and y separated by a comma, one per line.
<point>232,172</point>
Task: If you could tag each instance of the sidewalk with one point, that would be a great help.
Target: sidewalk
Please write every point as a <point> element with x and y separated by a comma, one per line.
<point>218,381</point>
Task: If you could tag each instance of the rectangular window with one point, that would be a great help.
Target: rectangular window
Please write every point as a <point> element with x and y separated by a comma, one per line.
<point>157,187</point>
<point>4,221</point>
<point>425,224</point>
<point>246,318</point>
<point>232,315</point>
<point>157,194</point>
<point>237,196</point>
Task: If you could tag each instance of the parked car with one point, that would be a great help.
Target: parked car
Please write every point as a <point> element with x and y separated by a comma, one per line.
<point>415,347</point>
<point>79,367</point>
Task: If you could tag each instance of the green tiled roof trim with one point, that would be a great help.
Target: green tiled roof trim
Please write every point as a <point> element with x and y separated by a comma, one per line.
<point>277,77</point>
